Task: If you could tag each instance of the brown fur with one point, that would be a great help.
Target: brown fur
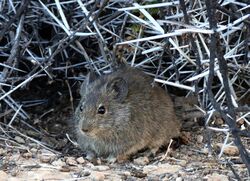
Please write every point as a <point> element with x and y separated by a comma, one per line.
<point>142,117</point>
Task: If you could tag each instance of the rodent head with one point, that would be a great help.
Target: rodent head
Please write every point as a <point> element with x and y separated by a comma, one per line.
<point>102,112</point>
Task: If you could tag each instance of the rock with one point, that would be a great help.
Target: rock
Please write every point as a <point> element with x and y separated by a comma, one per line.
<point>157,178</point>
<point>46,152</point>
<point>178,179</point>
<point>216,177</point>
<point>126,173</point>
<point>241,121</point>
<point>97,176</point>
<point>59,163</point>
<point>2,151</point>
<point>218,122</point>
<point>65,168</point>
<point>149,168</point>
<point>45,158</point>
<point>4,176</point>
<point>98,161</point>
<point>167,177</point>
<point>71,161</point>
<point>101,168</point>
<point>85,173</point>
<point>19,139</point>
<point>43,173</point>
<point>205,151</point>
<point>90,165</point>
<point>114,177</point>
<point>80,160</point>
<point>27,155</point>
<point>161,169</point>
<point>183,163</point>
<point>137,172</point>
<point>141,160</point>
<point>229,150</point>
<point>186,137</point>
<point>123,174</point>
<point>13,179</point>
<point>14,172</point>
<point>199,138</point>
<point>33,150</point>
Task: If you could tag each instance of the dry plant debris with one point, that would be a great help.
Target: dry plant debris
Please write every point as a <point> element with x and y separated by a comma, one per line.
<point>193,47</point>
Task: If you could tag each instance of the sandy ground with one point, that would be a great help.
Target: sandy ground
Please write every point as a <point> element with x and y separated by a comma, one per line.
<point>190,161</point>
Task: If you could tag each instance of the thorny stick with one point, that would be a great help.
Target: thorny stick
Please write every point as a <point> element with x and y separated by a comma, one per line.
<point>230,116</point>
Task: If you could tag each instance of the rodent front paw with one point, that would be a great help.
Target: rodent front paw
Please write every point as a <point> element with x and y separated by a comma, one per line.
<point>90,155</point>
<point>111,159</point>
<point>121,158</point>
<point>118,159</point>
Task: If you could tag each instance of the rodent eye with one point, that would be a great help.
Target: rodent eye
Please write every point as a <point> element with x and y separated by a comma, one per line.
<point>101,110</point>
<point>81,108</point>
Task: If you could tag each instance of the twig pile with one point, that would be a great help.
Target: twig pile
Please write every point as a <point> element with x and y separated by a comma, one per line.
<point>200,47</point>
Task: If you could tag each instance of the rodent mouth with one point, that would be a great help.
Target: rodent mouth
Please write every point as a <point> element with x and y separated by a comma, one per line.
<point>89,133</point>
<point>83,132</point>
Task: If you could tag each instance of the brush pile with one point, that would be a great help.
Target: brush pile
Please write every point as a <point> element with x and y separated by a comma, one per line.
<point>193,47</point>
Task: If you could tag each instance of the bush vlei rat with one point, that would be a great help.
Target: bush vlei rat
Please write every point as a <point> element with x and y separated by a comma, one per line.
<point>121,113</point>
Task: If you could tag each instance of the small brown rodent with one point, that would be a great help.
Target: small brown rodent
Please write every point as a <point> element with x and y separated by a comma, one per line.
<point>121,113</point>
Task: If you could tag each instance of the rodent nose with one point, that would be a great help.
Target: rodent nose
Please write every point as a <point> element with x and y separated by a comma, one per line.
<point>85,130</point>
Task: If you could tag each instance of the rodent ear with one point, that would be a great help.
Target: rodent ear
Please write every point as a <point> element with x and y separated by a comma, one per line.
<point>91,77</point>
<point>119,87</point>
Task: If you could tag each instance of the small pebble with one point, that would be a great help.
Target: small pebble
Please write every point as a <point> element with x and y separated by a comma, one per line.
<point>178,179</point>
<point>59,163</point>
<point>33,150</point>
<point>161,169</point>
<point>157,178</point>
<point>183,163</point>
<point>14,172</point>
<point>205,150</point>
<point>141,161</point>
<point>98,161</point>
<point>126,173</point>
<point>80,160</point>
<point>2,151</point>
<point>241,121</point>
<point>3,175</point>
<point>45,158</point>
<point>71,161</point>
<point>216,177</point>
<point>97,176</point>
<point>19,139</point>
<point>101,168</point>
<point>229,150</point>
<point>218,122</point>
<point>27,155</point>
<point>89,165</point>
<point>149,168</point>
<point>199,138</point>
<point>85,173</point>
<point>65,168</point>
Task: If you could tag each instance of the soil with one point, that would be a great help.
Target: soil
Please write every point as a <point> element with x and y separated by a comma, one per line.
<point>50,155</point>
